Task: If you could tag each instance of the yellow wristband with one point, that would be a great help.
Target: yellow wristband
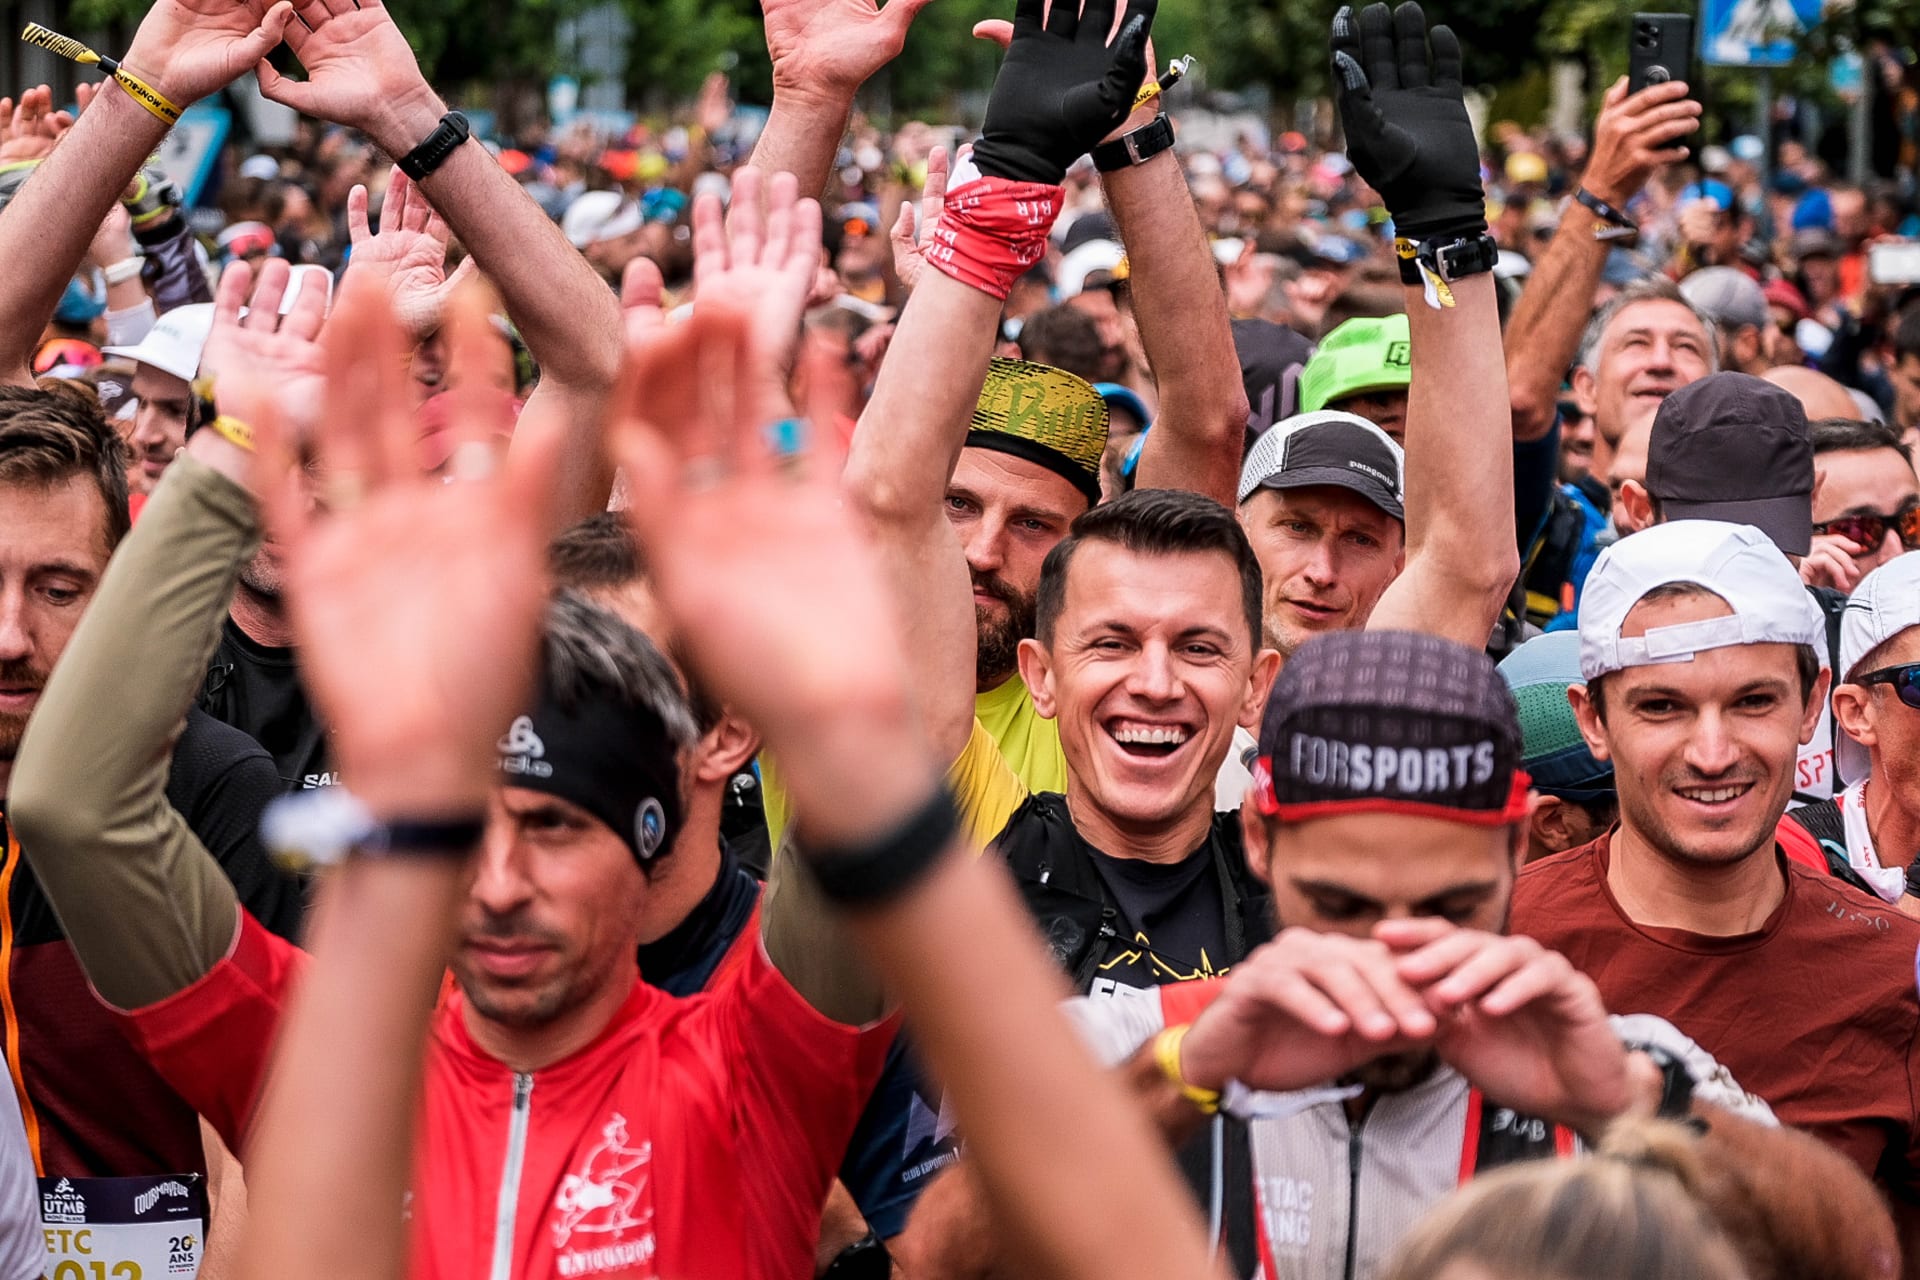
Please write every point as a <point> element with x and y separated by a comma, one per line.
<point>147,96</point>
<point>234,430</point>
<point>1166,1052</point>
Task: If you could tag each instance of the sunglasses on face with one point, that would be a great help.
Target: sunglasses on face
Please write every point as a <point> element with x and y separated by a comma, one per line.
<point>1905,681</point>
<point>1870,530</point>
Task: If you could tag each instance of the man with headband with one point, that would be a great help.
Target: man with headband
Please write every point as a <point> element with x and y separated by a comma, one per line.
<point>1705,669</point>
<point>1414,1042</point>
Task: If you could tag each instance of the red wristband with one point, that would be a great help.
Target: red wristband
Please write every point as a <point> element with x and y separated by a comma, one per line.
<point>993,230</point>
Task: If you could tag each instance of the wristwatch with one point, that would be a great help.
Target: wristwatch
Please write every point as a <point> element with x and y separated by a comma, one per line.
<point>308,830</point>
<point>1450,260</point>
<point>441,143</point>
<point>865,1259</point>
<point>1138,147</point>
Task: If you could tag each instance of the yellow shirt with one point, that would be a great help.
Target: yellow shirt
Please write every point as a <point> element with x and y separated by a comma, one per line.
<point>1029,742</point>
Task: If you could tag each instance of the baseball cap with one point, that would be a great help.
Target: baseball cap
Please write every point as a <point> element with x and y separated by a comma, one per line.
<point>1735,562</point>
<point>1783,293</point>
<point>1328,447</point>
<point>1124,398</point>
<point>243,238</point>
<point>595,216</point>
<point>174,343</point>
<point>1366,353</point>
<point>1727,296</point>
<point>1045,415</point>
<point>1886,602</point>
<point>1553,751</point>
<point>1735,447</point>
<point>1719,193</point>
<point>1271,359</point>
<point>260,168</point>
<point>1813,242</point>
<point>1394,722</point>
<point>1080,263</point>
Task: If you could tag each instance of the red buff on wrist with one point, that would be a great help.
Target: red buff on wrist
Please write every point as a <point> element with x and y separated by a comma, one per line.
<point>992,229</point>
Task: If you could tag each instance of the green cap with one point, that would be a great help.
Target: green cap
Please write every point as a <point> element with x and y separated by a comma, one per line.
<point>1364,354</point>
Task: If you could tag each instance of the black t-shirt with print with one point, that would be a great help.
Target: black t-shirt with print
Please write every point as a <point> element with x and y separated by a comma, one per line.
<point>1172,921</point>
<point>256,689</point>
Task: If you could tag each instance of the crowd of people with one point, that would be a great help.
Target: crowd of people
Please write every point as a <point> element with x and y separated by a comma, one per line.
<point>817,702</point>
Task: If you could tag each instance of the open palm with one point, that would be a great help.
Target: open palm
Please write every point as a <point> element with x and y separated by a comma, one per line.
<point>409,253</point>
<point>835,45</point>
<point>262,362</point>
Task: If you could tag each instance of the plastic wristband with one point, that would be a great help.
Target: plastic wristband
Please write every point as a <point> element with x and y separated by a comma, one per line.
<point>992,230</point>
<point>233,430</point>
<point>884,868</point>
<point>1166,1053</point>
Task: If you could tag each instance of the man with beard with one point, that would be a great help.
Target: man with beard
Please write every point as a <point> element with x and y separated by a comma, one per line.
<point>1705,663</point>
<point>1418,1044</point>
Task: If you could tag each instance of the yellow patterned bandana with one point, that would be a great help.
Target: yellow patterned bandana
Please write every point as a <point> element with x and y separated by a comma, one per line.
<point>1045,415</point>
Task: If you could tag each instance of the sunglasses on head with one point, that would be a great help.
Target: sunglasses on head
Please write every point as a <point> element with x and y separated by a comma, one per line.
<point>1905,681</point>
<point>1871,530</point>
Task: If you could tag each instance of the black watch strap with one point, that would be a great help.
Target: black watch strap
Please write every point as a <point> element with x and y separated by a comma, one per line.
<point>1448,259</point>
<point>1138,147</point>
<point>441,143</point>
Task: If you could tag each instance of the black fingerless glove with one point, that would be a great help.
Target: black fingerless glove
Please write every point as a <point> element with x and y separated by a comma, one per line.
<point>1062,88</point>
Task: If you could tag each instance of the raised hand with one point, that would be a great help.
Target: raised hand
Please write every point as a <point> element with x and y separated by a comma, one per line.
<point>1405,116</point>
<point>909,239</point>
<point>409,252</point>
<point>760,262</point>
<point>1636,135</point>
<point>1062,87</point>
<point>360,72</point>
<point>1304,1009</point>
<point>416,602</point>
<point>30,128</point>
<point>188,49</point>
<point>1518,1021</point>
<point>264,364</point>
<point>831,47</point>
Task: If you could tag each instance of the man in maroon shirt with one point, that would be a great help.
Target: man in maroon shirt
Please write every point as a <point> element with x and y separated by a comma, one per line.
<point>1703,657</point>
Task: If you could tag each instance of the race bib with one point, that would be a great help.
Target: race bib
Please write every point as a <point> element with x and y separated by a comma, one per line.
<point>124,1228</point>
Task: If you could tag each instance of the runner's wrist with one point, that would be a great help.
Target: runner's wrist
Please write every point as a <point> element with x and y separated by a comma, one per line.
<point>407,120</point>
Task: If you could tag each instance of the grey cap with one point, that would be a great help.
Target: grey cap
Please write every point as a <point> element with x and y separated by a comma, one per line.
<point>1727,296</point>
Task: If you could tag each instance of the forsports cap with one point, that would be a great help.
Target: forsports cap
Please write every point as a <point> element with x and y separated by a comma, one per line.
<point>1365,354</point>
<point>1727,296</point>
<point>618,763</point>
<point>1556,757</point>
<point>1886,602</point>
<point>1735,562</point>
<point>1045,415</point>
<point>174,343</point>
<point>1737,448</point>
<point>1328,447</point>
<point>595,216</point>
<point>1391,722</point>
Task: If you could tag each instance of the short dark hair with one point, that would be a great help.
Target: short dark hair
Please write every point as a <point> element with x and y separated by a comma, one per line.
<point>1066,338</point>
<point>47,438</point>
<point>1152,522</point>
<point>1806,658</point>
<point>598,554</point>
<point>1844,435</point>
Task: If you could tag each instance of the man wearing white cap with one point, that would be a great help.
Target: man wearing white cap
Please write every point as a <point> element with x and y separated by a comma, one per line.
<point>1875,823</point>
<point>167,360</point>
<point>1705,668</point>
<point>606,227</point>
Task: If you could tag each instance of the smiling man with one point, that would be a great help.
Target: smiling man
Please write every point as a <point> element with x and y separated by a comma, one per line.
<point>1645,344</point>
<point>1705,668</point>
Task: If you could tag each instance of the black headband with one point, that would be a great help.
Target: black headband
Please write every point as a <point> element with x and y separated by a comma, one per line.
<point>619,764</point>
<point>1087,482</point>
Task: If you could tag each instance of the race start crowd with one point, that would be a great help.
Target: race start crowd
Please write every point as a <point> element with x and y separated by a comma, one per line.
<point>1275,711</point>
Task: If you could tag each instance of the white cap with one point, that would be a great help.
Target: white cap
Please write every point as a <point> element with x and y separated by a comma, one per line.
<point>260,167</point>
<point>600,215</point>
<point>1736,562</point>
<point>174,343</point>
<point>1886,602</point>
<point>1094,255</point>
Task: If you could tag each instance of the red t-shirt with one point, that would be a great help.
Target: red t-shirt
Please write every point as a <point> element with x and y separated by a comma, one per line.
<point>695,1136</point>
<point>1816,1012</point>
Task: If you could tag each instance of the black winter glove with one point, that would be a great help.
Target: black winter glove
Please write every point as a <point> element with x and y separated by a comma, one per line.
<point>1406,120</point>
<point>1062,88</point>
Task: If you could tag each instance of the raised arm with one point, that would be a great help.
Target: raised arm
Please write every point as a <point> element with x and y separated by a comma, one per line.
<point>1632,138</point>
<point>1409,136</point>
<point>445,583</point>
<point>1198,438</point>
<point>184,49</point>
<point>822,51</point>
<point>1061,89</point>
<point>360,72</point>
<point>746,534</point>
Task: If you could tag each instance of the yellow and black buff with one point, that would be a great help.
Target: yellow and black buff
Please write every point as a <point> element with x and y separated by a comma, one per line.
<point>1045,415</point>
<point>137,89</point>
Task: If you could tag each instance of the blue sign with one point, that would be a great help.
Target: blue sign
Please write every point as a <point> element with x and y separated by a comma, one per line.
<point>1754,33</point>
